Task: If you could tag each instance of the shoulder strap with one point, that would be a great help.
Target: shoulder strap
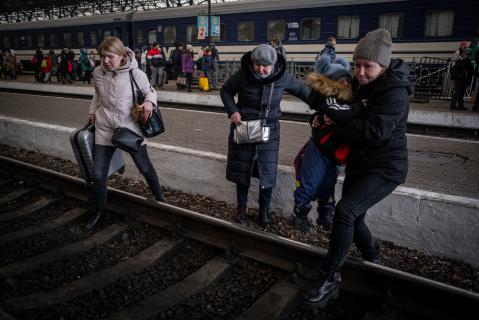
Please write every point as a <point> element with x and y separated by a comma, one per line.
<point>269,100</point>
<point>132,80</point>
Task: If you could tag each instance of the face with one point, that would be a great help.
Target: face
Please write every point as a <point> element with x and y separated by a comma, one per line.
<point>345,81</point>
<point>111,61</point>
<point>366,71</point>
<point>262,69</point>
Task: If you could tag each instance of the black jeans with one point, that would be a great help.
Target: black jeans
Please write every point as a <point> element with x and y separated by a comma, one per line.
<point>360,192</point>
<point>265,196</point>
<point>101,163</point>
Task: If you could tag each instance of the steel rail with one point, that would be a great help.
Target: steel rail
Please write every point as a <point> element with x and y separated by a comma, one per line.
<point>412,294</point>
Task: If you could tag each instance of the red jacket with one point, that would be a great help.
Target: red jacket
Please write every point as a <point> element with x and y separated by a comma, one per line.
<point>48,62</point>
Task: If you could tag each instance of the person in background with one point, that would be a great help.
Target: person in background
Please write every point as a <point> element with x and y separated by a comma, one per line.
<point>138,57</point>
<point>329,49</point>
<point>458,53</point>
<point>461,73</point>
<point>85,66</point>
<point>175,59</point>
<point>188,65</point>
<point>11,62</point>
<point>331,88</point>
<point>378,158</point>
<point>37,64</point>
<point>54,59</point>
<point>262,75</point>
<point>66,64</point>
<point>278,46</point>
<point>207,66</point>
<point>47,68</point>
<point>144,52</point>
<point>156,61</point>
<point>111,108</point>
<point>215,56</point>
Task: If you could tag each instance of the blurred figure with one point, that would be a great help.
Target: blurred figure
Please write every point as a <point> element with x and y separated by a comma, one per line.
<point>47,68</point>
<point>156,61</point>
<point>329,49</point>
<point>144,52</point>
<point>278,46</point>
<point>85,66</point>
<point>11,62</point>
<point>458,53</point>
<point>215,55</point>
<point>175,60</point>
<point>66,65</point>
<point>188,65</point>
<point>207,66</point>
<point>461,72</point>
<point>37,64</point>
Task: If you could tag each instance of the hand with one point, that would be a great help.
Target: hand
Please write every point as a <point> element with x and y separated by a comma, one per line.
<point>236,118</point>
<point>147,110</point>
<point>328,121</point>
<point>333,104</point>
<point>91,118</point>
<point>315,122</point>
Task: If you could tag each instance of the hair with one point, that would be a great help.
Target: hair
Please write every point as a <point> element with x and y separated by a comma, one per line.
<point>114,45</point>
<point>331,39</point>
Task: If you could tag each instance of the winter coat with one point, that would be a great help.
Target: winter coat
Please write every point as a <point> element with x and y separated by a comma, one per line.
<point>84,61</point>
<point>253,93</point>
<point>377,138</point>
<point>113,99</point>
<point>155,58</point>
<point>462,72</point>
<point>206,63</point>
<point>11,62</point>
<point>65,58</point>
<point>48,62</point>
<point>187,62</point>
<point>341,110</point>
<point>328,50</point>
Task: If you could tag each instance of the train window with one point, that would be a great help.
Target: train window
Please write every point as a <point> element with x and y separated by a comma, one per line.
<point>152,36</point>
<point>439,23</point>
<point>139,37</point>
<point>222,34</point>
<point>41,40</point>
<point>53,40</point>
<point>348,27</point>
<point>276,29</point>
<point>169,36</point>
<point>106,33</point>
<point>246,31</point>
<point>25,41</point>
<point>191,33</point>
<point>6,42</point>
<point>393,22</point>
<point>310,29</point>
<point>67,39</point>
<point>80,40</point>
<point>93,38</point>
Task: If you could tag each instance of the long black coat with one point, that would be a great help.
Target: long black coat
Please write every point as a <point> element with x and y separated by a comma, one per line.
<point>377,138</point>
<point>257,159</point>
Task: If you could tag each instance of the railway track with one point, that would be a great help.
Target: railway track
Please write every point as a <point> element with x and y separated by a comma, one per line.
<point>156,261</point>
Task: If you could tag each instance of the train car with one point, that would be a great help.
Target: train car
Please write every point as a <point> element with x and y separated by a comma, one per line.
<point>75,33</point>
<point>419,28</point>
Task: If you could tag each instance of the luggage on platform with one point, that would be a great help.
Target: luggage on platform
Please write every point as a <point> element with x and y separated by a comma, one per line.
<point>203,83</point>
<point>83,141</point>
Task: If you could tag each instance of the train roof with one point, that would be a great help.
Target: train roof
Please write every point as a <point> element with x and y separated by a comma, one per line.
<point>243,6</point>
<point>68,22</point>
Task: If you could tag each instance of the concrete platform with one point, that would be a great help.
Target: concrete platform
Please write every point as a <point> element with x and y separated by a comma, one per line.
<point>436,211</point>
<point>435,113</point>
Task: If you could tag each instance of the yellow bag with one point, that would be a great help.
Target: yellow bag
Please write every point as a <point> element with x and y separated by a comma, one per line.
<point>203,83</point>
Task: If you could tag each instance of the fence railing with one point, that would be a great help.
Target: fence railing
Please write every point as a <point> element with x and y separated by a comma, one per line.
<point>433,76</point>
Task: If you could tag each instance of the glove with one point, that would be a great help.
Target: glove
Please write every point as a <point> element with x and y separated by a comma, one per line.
<point>332,103</point>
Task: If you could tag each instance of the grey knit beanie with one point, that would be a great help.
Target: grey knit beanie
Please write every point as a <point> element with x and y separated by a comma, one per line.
<point>264,55</point>
<point>376,46</point>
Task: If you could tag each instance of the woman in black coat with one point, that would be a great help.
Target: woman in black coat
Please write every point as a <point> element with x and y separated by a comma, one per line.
<point>262,70</point>
<point>378,160</point>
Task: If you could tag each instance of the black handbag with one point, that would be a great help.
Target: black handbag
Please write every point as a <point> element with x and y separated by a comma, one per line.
<point>127,140</point>
<point>154,125</point>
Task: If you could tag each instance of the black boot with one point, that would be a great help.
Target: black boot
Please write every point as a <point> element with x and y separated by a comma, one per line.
<point>241,215</point>
<point>299,218</point>
<point>370,254</point>
<point>160,197</point>
<point>264,217</point>
<point>96,220</point>
<point>327,288</point>
<point>325,215</point>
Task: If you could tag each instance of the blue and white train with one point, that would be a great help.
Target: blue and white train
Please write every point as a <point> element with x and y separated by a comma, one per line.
<point>419,28</point>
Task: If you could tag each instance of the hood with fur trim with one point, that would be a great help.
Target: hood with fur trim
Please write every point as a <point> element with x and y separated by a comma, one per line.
<point>324,86</point>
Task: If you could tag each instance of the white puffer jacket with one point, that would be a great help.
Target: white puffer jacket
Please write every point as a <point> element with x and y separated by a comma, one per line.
<point>112,102</point>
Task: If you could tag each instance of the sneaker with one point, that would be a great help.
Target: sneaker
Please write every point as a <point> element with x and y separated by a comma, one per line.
<point>327,288</point>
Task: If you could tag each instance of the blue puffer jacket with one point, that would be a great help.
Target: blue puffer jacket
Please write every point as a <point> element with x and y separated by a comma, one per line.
<point>377,138</point>
<point>257,160</point>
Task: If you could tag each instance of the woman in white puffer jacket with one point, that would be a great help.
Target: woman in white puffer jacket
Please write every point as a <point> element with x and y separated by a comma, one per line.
<point>111,108</point>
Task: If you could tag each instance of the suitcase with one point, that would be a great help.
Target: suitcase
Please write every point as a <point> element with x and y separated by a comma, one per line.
<point>83,141</point>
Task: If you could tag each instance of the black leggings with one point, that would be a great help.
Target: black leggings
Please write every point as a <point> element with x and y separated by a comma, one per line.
<point>101,163</point>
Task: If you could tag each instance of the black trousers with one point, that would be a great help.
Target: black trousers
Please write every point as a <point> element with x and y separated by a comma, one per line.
<point>265,196</point>
<point>101,163</point>
<point>360,192</point>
